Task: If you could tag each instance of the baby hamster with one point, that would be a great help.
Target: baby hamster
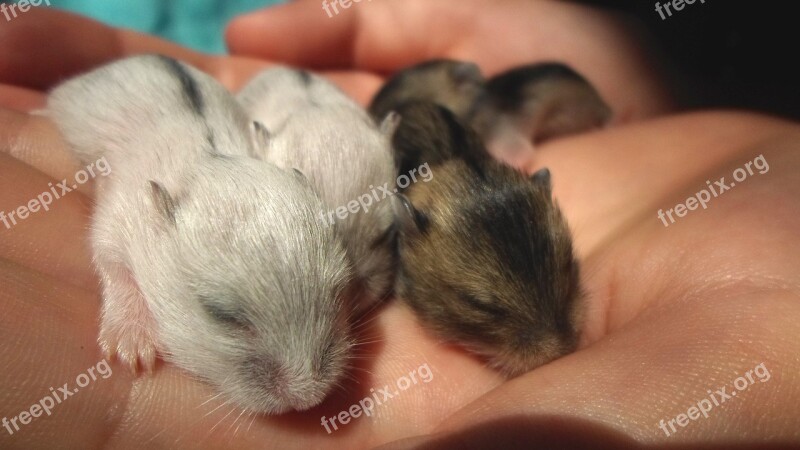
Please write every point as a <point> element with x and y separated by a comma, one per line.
<point>315,128</point>
<point>212,258</point>
<point>511,112</point>
<point>485,255</point>
<point>452,84</point>
<point>534,103</point>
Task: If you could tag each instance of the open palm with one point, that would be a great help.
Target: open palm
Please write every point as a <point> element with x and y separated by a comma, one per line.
<point>671,311</point>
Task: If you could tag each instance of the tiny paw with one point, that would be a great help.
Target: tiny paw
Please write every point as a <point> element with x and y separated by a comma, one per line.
<point>133,346</point>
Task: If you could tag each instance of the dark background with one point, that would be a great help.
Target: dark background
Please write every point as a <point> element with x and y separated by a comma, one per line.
<point>727,53</point>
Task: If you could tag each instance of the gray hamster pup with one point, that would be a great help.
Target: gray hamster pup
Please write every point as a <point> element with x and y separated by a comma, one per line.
<point>485,255</point>
<point>511,111</point>
<point>314,127</point>
<point>209,257</point>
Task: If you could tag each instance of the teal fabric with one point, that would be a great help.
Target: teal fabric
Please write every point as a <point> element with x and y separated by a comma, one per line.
<point>198,24</point>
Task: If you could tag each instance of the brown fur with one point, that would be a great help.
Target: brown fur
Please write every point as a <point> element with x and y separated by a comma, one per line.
<point>485,255</point>
<point>540,101</point>
<point>512,110</point>
<point>452,84</point>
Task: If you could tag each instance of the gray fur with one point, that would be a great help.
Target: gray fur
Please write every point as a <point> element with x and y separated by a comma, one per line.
<point>215,259</point>
<point>317,129</point>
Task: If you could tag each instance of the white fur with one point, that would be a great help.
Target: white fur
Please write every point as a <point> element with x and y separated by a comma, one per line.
<point>316,128</point>
<point>244,236</point>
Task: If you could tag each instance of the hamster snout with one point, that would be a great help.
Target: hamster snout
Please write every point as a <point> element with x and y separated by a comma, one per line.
<point>205,254</point>
<point>272,330</point>
<point>486,256</point>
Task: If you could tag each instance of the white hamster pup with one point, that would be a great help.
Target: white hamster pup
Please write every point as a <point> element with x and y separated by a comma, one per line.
<point>314,127</point>
<point>212,258</point>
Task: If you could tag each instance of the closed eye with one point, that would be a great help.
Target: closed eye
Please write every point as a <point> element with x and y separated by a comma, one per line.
<point>489,307</point>
<point>233,317</point>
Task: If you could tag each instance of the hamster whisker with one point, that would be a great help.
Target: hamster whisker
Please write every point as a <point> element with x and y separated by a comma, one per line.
<point>375,341</point>
<point>211,431</point>
<point>235,421</point>
<point>212,398</point>
<point>252,420</point>
<point>218,407</point>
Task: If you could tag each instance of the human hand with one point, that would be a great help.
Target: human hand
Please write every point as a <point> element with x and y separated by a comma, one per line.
<point>672,312</point>
<point>384,36</point>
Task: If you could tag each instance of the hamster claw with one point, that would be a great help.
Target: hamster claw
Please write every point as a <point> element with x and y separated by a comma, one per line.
<point>134,348</point>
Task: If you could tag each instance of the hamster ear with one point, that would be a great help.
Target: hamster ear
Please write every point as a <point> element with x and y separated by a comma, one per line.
<point>466,72</point>
<point>390,123</point>
<point>303,179</point>
<point>260,138</point>
<point>408,218</point>
<point>300,175</point>
<point>164,203</point>
<point>541,178</point>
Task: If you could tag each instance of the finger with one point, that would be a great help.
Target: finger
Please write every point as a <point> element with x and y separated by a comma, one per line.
<point>35,141</point>
<point>46,46</point>
<point>388,35</point>
<point>20,99</point>
<point>42,226</point>
<point>55,45</point>
<point>39,228</point>
<point>376,36</point>
<point>48,329</point>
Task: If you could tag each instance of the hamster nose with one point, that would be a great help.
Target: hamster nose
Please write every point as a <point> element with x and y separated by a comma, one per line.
<point>294,390</point>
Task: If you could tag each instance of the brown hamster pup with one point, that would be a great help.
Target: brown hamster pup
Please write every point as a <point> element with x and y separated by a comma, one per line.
<point>511,112</point>
<point>485,255</point>
<point>535,103</point>
<point>449,83</point>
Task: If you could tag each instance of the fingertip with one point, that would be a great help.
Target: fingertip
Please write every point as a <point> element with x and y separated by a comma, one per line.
<point>235,34</point>
<point>40,50</point>
<point>51,45</point>
<point>296,33</point>
<point>21,99</point>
